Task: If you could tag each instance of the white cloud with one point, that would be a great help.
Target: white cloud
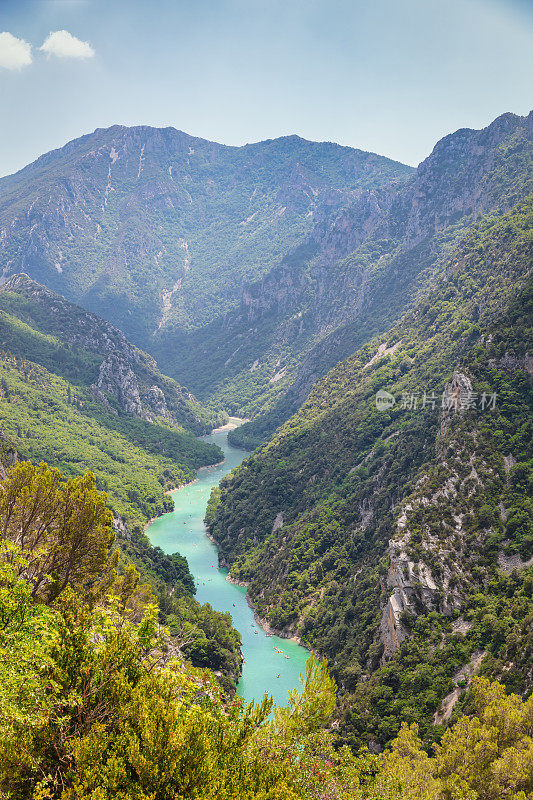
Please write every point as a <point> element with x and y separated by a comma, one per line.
<point>65,45</point>
<point>14,53</point>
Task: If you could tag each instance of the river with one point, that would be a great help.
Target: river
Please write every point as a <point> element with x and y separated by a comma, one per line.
<point>183,531</point>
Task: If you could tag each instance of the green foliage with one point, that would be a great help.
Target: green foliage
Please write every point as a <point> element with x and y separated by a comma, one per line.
<point>94,705</point>
<point>102,714</point>
<point>40,326</point>
<point>135,460</point>
<point>57,534</point>
<point>64,528</point>
<point>340,472</point>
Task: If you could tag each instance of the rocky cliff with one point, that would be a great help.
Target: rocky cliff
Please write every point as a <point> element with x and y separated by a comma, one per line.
<point>363,265</point>
<point>155,229</point>
<point>124,378</point>
<point>402,520</point>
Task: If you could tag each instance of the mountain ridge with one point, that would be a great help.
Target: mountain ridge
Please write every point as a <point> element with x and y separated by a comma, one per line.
<point>75,393</point>
<point>386,538</point>
<point>329,287</point>
<point>151,227</point>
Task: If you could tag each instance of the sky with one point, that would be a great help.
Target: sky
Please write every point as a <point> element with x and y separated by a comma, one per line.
<point>389,76</point>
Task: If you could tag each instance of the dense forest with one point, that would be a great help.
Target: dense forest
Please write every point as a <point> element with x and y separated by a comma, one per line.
<point>96,702</point>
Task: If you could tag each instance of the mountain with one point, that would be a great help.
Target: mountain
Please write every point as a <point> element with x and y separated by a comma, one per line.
<point>355,275</point>
<point>77,394</point>
<point>90,352</point>
<point>389,523</point>
<point>249,272</point>
<point>156,230</point>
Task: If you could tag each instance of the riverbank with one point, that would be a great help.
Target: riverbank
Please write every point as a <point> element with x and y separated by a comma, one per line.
<point>271,663</point>
<point>231,424</point>
<point>261,621</point>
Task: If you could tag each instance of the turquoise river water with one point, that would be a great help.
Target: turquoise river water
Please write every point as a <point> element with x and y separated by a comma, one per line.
<point>183,531</point>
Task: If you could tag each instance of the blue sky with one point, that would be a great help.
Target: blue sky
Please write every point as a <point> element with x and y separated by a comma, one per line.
<point>391,76</point>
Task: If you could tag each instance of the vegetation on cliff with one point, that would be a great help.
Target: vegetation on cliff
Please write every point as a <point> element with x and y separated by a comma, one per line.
<point>398,521</point>
<point>97,702</point>
<point>52,409</point>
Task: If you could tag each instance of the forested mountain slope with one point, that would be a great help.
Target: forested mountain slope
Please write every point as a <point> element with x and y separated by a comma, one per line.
<point>386,537</point>
<point>39,324</point>
<point>154,229</point>
<point>75,393</point>
<point>358,271</point>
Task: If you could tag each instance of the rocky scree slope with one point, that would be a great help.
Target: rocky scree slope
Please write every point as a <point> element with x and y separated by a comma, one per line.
<point>396,540</point>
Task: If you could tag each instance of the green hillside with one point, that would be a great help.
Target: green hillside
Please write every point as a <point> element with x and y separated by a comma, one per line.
<point>381,536</point>
<point>131,425</point>
<point>50,356</point>
<point>37,324</point>
<point>361,270</point>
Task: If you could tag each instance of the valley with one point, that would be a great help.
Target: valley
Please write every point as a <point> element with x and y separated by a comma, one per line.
<point>166,574</point>
<point>270,665</point>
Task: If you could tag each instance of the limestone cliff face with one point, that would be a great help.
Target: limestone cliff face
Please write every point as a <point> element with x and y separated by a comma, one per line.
<point>126,379</point>
<point>458,179</point>
<point>434,573</point>
<point>411,586</point>
<point>116,379</point>
<point>8,456</point>
<point>82,328</point>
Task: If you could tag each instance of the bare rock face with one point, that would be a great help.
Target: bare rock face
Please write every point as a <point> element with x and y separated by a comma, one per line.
<point>85,329</point>
<point>154,401</point>
<point>117,379</point>
<point>411,585</point>
<point>122,530</point>
<point>457,398</point>
<point>433,573</point>
<point>125,378</point>
<point>511,363</point>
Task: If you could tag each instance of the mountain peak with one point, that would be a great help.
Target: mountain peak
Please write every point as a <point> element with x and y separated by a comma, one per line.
<point>497,129</point>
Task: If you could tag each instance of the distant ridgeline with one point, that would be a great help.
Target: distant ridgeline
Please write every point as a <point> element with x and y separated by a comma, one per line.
<point>248,272</point>
<point>156,230</point>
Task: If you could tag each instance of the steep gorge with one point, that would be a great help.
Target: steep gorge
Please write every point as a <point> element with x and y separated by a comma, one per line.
<point>396,519</point>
